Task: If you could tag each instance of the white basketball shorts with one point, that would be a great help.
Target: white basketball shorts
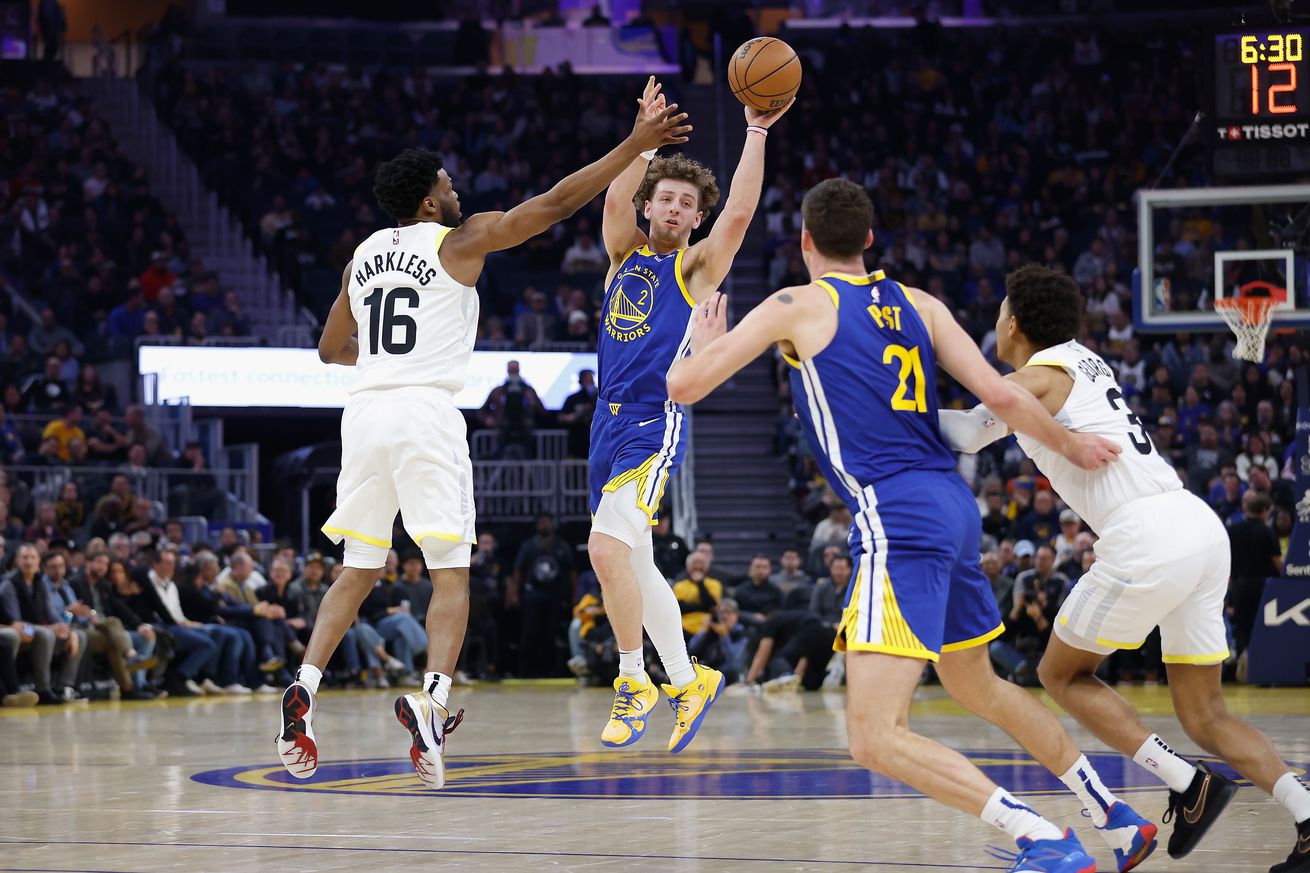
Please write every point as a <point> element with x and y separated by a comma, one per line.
<point>403,449</point>
<point>1163,561</point>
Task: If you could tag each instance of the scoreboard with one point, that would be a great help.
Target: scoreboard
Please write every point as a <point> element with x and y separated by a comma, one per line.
<point>1260,119</point>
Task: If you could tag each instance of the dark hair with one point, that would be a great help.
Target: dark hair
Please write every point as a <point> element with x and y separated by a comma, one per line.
<point>844,557</point>
<point>402,182</point>
<point>1047,305</point>
<point>838,214</point>
<point>683,169</point>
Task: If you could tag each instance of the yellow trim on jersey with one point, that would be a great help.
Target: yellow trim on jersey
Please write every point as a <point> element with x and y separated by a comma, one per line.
<point>450,538</point>
<point>976,641</point>
<point>1119,645</point>
<point>1046,362</point>
<point>908,295</point>
<point>441,236</point>
<point>372,541</point>
<point>917,654</point>
<point>638,474</point>
<point>1197,660</point>
<point>790,360</point>
<point>850,615</point>
<point>847,277</point>
<point>623,260</point>
<point>896,631</point>
<point>832,292</point>
<point>682,285</point>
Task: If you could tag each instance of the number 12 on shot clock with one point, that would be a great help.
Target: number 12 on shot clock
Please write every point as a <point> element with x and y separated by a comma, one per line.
<point>1279,53</point>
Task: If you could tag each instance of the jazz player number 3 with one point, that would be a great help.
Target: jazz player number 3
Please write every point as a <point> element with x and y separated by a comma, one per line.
<point>408,294</point>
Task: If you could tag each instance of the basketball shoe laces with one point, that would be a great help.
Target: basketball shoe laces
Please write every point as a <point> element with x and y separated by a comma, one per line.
<point>1032,853</point>
<point>624,703</point>
<point>679,704</point>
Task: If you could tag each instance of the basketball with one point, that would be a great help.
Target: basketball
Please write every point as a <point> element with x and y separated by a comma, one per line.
<point>764,73</point>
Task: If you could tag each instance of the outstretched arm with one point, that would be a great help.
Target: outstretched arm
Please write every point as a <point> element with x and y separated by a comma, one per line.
<point>619,226</point>
<point>1012,403</point>
<point>717,353</point>
<point>338,345</point>
<point>970,431</point>
<point>495,231</point>
<point>706,264</point>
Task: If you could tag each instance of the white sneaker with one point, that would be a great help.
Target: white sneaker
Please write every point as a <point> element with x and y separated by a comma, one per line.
<point>236,688</point>
<point>836,672</point>
<point>461,679</point>
<point>789,682</point>
<point>394,665</point>
<point>428,725</point>
<point>194,688</point>
<point>295,739</point>
<point>267,689</point>
<point>209,686</point>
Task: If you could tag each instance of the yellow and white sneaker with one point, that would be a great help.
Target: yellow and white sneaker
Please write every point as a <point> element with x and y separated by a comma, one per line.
<point>633,701</point>
<point>690,703</point>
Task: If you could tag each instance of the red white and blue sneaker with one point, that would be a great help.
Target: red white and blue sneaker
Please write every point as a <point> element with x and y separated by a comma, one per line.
<point>1048,856</point>
<point>295,739</point>
<point>428,725</point>
<point>1131,837</point>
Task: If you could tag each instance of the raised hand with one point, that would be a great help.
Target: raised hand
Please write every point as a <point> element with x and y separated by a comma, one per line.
<point>658,124</point>
<point>766,119</point>
<point>709,321</point>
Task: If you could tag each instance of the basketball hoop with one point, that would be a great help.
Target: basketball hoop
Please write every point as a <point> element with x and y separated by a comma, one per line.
<point>1249,317</point>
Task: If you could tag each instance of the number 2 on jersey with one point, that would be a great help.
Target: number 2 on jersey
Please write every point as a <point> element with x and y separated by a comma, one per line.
<point>383,320</point>
<point>1142,443</point>
<point>911,367</point>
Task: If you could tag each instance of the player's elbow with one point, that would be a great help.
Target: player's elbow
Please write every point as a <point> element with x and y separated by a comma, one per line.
<point>683,387</point>
<point>323,354</point>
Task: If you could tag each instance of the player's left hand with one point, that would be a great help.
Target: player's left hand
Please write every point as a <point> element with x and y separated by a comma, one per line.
<point>1091,452</point>
<point>766,119</point>
<point>709,321</point>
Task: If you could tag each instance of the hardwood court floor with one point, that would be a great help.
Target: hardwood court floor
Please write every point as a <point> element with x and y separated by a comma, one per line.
<point>194,785</point>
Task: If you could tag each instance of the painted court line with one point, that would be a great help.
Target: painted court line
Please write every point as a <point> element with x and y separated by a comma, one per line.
<point>491,852</point>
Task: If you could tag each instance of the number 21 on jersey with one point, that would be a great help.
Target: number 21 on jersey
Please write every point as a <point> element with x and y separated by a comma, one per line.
<point>911,369</point>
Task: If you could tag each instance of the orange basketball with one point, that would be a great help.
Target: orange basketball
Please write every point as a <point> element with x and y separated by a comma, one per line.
<point>764,73</point>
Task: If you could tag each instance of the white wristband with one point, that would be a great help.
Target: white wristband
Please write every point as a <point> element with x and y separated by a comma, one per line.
<point>649,154</point>
<point>755,128</point>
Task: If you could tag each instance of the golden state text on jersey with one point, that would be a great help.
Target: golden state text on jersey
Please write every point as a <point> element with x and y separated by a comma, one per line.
<point>645,327</point>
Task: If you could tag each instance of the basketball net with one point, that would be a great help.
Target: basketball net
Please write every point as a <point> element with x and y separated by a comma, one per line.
<point>1249,318</point>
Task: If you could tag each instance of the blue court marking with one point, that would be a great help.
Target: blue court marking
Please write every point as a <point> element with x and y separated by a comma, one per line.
<point>773,774</point>
<point>503,853</point>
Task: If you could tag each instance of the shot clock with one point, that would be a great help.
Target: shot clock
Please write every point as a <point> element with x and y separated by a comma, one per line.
<point>1259,125</point>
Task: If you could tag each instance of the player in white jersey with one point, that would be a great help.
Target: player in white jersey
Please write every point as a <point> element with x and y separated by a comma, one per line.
<point>406,319</point>
<point>1162,559</point>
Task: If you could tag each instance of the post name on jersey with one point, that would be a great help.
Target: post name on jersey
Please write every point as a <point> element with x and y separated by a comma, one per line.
<point>887,317</point>
<point>634,312</point>
<point>1093,368</point>
<point>394,262</point>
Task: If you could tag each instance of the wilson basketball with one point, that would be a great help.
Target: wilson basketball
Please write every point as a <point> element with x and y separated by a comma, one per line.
<point>764,73</point>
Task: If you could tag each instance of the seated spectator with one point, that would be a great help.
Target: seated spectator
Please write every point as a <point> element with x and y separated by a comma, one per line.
<point>229,320</point>
<point>138,431</point>
<point>1226,495</point>
<point>294,608</point>
<point>1070,526</point>
<point>790,572</point>
<point>584,256</point>
<point>43,337</point>
<point>722,641</point>
<point>11,444</point>
<point>1255,454</point>
<point>414,585</point>
<point>670,549</point>
<point>794,647</point>
<point>832,531</point>
<point>70,514</point>
<point>45,526</point>
<point>757,597</point>
<point>390,617</point>
<point>1041,523</point>
<point>829,596</point>
<point>1045,575</point>
<point>128,319</point>
<point>587,612</point>
<point>538,326</point>
<point>45,634</point>
<point>107,519</point>
<point>156,276</point>
<point>1073,565</point>
<point>106,445</point>
<point>1002,585</point>
<point>47,394</point>
<point>12,637</point>
<point>92,394</point>
<point>697,593</point>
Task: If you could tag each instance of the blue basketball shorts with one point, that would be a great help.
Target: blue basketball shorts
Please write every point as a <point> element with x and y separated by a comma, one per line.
<point>636,442</point>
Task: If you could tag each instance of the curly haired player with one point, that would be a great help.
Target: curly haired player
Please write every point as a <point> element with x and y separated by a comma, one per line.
<point>408,293</point>
<point>638,439</point>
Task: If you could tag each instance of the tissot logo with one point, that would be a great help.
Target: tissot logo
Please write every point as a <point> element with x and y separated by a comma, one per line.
<point>1239,132</point>
<point>1298,614</point>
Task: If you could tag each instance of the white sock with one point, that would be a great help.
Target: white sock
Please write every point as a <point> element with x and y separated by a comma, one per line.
<point>438,687</point>
<point>1156,756</point>
<point>1004,811</point>
<point>1084,781</point>
<point>661,616</point>
<point>632,665</point>
<point>309,676</point>
<point>1294,794</point>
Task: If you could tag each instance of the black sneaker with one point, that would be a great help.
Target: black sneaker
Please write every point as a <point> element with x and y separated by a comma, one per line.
<point>49,698</point>
<point>1299,860</point>
<point>1196,809</point>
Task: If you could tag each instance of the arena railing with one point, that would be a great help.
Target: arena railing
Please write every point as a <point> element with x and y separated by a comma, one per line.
<point>550,445</point>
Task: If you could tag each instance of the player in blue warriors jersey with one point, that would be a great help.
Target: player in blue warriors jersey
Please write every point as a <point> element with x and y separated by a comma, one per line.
<point>638,436</point>
<point>865,351</point>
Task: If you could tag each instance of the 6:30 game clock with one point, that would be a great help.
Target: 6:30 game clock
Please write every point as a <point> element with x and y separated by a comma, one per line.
<point>1260,123</point>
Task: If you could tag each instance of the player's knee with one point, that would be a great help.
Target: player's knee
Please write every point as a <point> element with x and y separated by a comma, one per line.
<point>441,554</point>
<point>618,517</point>
<point>607,553</point>
<point>1053,677</point>
<point>359,555</point>
<point>872,747</point>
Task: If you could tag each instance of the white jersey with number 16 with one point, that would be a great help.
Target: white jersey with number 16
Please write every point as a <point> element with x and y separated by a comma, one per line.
<point>417,325</point>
